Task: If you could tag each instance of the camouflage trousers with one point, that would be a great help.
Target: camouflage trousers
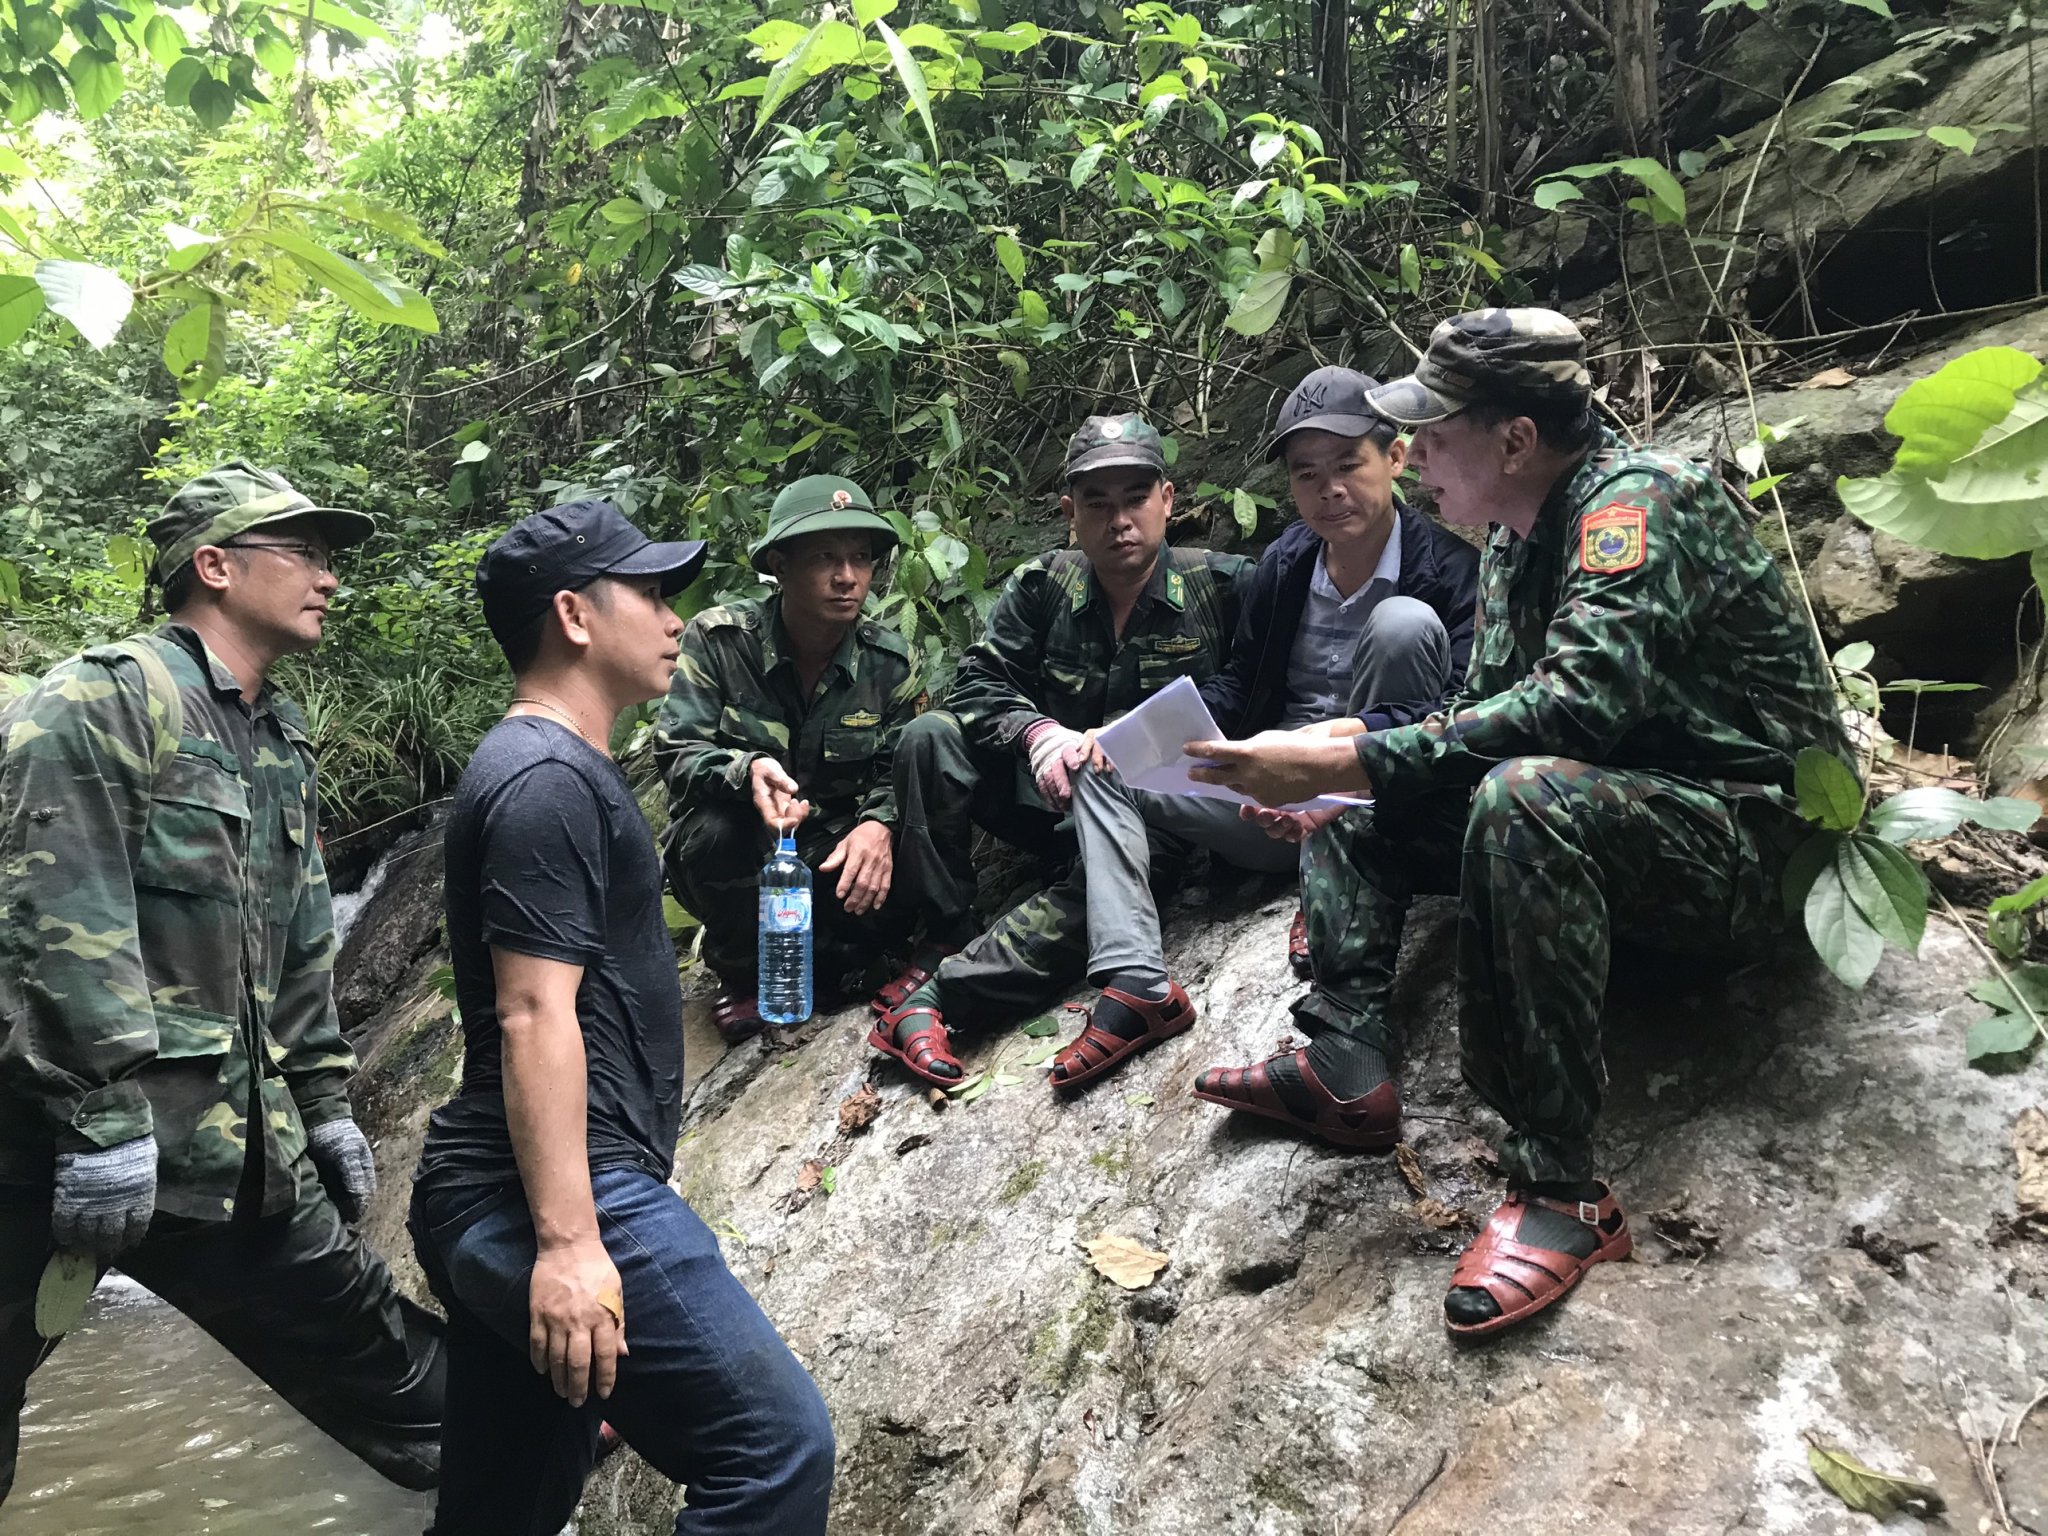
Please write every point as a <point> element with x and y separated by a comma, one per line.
<point>1550,860</point>
<point>713,855</point>
<point>297,1297</point>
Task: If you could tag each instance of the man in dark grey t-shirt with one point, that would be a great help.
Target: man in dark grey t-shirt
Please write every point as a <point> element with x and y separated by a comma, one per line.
<point>577,1283</point>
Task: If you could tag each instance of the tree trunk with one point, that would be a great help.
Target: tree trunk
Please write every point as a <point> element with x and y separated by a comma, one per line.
<point>547,111</point>
<point>1331,22</point>
<point>1637,48</point>
<point>1487,103</point>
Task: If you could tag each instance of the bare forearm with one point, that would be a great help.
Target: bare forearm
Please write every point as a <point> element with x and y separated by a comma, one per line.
<point>546,1112</point>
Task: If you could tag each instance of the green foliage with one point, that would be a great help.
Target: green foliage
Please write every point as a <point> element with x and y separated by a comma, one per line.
<point>2006,1038</point>
<point>1970,476</point>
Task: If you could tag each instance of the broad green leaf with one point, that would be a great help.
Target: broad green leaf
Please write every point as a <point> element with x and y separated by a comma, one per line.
<point>474,452</point>
<point>909,71</point>
<point>61,1295</point>
<point>1828,791</point>
<point>1863,1490</point>
<point>1887,888</point>
<point>2000,1042</point>
<point>708,281</point>
<point>1090,157</point>
<point>1266,148</point>
<point>2027,897</point>
<point>1855,657</point>
<point>1411,269</point>
<point>381,217</point>
<point>1843,938</point>
<point>1804,867</point>
<point>336,18</point>
<point>21,300</point>
<point>130,559</point>
<point>1275,251</point>
<point>164,39</point>
<point>789,75</point>
<point>1245,511</point>
<point>277,56</point>
<point>1259,306</point>
<point>96,80</point>
<point>824,339</point>
<point>196,349</point>
<point>2004,813</point>
<point>865,11</point>
<point>1032,305</point>
<point>188,247</point>
<point>212,101</point>
<point>773,40</point>
<point>1932,811</point>
<point>1664,188</point>
<point>1011,256</point>
<point>37,29</point>
<point>1019,368</point>
<point>624,210</point>
<point>180,77</point>
<point>370,294</point>
<point>1943,416</point>
<point>1950,137</point>
<point>1552,195</point>
<point>95,300</point>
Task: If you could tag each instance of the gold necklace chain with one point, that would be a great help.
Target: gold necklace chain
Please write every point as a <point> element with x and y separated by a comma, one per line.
<point>563,715</point>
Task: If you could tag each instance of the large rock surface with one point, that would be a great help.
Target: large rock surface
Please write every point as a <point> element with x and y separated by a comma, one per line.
<point>1288,1372</point>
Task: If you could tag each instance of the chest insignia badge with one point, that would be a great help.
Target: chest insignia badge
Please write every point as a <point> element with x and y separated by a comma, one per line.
<point>1613,539</point>
<point>1178,645</point>
<point>860,719</point>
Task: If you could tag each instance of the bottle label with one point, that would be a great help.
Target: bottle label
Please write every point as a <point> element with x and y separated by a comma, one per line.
<point>786,911</point>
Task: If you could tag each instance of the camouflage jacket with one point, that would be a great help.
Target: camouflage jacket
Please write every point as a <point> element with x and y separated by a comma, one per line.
<point>735,697</point>
<point>1051,647</point>
<point>167,937</point>
<point>1639,625</point>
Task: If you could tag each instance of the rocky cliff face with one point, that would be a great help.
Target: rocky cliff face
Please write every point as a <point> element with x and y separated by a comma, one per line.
<point>1821,1192</point>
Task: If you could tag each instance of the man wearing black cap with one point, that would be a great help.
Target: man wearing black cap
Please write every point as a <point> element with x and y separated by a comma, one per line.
<point>1359,616</point>
<point>1620,763</point>
<point>1078,637</point>
<point>577,1283</point>
<point>173,1080</point>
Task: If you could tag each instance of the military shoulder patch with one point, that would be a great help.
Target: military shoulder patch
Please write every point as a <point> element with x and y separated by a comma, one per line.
<point>860,719</point>
<point>1613,539</point>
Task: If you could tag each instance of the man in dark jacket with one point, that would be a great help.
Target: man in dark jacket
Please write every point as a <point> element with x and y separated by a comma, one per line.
<point>1359,616</point>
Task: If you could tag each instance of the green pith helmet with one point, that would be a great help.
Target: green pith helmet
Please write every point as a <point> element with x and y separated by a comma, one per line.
<point>821,504</point>
<point>233,499</point>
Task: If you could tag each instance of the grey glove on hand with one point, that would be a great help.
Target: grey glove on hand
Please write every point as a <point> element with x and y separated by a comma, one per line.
<point>347,1166</point>
<point>103,1200</point>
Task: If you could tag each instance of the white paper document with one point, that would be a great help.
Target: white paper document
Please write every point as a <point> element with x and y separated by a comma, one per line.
<point>1146,746</point>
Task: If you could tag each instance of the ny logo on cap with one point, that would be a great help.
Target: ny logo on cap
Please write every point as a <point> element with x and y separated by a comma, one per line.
<point>1312,395</point>
<point>842,498</point>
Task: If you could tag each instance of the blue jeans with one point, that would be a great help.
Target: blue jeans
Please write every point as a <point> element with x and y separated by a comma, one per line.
<point>709,1395</point>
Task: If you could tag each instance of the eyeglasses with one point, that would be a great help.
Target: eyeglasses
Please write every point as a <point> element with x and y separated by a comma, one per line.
<point>318,558</point>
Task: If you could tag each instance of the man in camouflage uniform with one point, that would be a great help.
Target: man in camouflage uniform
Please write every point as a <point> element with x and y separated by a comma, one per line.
<point>1620,762</point>
<point>173,1080</point>
<point>785,711</point>
<point>1078,637</point>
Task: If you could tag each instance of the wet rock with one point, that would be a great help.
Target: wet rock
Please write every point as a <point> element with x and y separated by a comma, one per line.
<point>1288,1373</point>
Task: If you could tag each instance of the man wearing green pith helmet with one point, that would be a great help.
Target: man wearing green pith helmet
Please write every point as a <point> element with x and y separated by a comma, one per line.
<point>784,713</point>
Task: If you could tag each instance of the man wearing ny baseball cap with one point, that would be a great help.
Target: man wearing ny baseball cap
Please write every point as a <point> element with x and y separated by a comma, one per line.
<point>1620,762</point>
<point>579,1287</point>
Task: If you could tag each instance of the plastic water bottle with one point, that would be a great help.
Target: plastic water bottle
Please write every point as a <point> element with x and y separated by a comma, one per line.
<point>785,995</point>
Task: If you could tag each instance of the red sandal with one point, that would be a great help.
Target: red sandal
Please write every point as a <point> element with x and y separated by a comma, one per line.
<point>1297,945</point>
<point>1096,1051</point>
<point>1522,1278</point>
<point>922,1048</point>
<point>736,1015</point>
<point>1368,1124</point>
<point>893,994</point>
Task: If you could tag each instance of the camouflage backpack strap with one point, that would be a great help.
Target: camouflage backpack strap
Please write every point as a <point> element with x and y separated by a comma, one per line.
<point>166,702</point>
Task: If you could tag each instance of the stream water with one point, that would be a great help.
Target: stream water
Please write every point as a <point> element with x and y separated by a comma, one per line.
<point>140,1425</point>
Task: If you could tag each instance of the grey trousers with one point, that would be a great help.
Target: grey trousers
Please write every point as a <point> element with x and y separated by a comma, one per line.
<point>1404,656</point>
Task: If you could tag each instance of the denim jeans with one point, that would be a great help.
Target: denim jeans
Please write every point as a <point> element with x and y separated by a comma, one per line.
<point>709,1394</point>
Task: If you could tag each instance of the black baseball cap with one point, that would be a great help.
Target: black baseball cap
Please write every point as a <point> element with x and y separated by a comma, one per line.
<point>568,547</point>
<point>1329,400</point>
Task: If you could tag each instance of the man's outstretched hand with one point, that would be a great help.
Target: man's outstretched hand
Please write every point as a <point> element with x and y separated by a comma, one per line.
<point>775,795</point>
<point>1280,767</point>
<point>1289,826</point>
<point>868,863</point>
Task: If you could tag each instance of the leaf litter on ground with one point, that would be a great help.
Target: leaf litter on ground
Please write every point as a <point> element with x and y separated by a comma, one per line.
<point>1125,1260</point>
<point>1868,1491</point>
<point>858,1109</point>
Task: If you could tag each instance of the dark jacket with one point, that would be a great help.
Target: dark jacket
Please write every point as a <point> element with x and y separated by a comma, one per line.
<point>1250,693</point>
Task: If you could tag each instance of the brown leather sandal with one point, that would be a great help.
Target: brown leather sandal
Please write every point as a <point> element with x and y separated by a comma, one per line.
<point>1096,1051</point>
<point>921,1047</point>
<point>1297,945</point>
<point>914,975</point>
<point>1522,1278</point>
<point>736,1015</point>
<point>1368,1124</point>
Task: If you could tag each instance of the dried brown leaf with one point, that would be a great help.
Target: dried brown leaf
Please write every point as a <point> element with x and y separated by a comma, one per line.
<point>1688,1233</point>
<point>1125,1260</point>
<point>1868,1491</point>
<point>1438,1217</point>
<point>857,1110</point>
<point>2030,1147</point>
<point>912,1142</point>
<point>1829,378</point>
<point>1411,1168</point>
<point>809,1175</point>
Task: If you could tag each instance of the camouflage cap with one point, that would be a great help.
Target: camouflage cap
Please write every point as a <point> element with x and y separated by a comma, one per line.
<point>1108,441</point>
<point>821,504</point>
<point>1509,355</point>
<point>233,499</point>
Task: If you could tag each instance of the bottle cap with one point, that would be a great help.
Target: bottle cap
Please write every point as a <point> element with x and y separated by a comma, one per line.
<point>788,843</point>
